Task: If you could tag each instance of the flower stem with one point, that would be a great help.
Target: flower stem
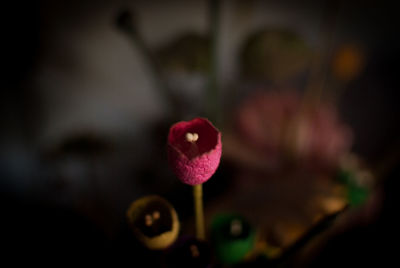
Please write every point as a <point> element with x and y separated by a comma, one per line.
<point>212,88</point>
<point>198,209</point>
<point>319,69</point>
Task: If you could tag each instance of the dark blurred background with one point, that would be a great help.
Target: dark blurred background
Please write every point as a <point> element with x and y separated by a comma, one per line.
<point>84,121</point>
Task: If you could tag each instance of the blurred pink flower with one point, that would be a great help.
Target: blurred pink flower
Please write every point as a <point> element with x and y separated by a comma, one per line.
<point>272,123</point>
<point>194,150</point>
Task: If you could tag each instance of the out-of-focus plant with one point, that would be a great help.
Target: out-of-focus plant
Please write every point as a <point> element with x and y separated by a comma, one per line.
<point>275,124</point>
<point>188,53</point>
<point>274,55</point>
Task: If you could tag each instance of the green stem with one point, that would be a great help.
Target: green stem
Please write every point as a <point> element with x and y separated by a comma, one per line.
<point>212,88</point>
<point>199,211</point>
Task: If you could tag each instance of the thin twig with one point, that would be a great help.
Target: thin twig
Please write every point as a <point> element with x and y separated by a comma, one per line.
<point>316,230</point>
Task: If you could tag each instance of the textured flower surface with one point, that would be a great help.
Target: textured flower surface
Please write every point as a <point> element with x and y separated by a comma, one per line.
<point>194,150</point>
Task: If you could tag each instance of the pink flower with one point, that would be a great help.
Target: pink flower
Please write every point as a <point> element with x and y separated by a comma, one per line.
<point>271,122</point>
<point>262,117</point>
<point>194,150</point>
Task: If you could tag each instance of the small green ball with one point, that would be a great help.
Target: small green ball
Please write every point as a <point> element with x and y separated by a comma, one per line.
<point>233,237</point>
